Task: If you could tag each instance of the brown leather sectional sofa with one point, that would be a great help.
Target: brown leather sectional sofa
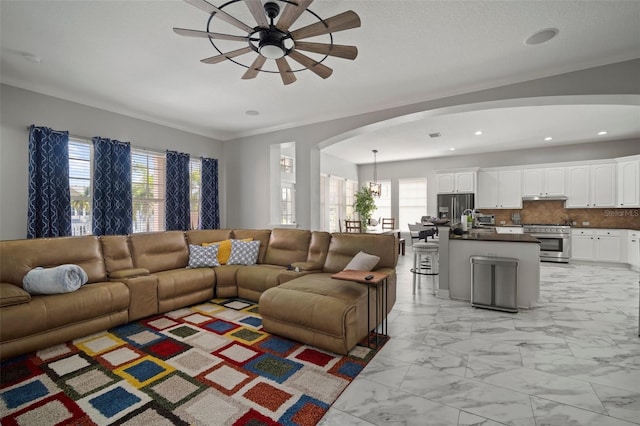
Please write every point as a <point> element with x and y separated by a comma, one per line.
<point>138,275</point>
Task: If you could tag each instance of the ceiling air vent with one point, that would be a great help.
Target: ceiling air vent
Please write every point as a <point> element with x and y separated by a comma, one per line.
<point>435,135</point>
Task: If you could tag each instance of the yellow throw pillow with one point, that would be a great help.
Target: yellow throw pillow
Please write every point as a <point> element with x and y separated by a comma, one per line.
<point>224,249</point>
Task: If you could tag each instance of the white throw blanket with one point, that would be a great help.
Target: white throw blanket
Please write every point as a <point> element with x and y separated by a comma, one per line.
<point>59,279</point>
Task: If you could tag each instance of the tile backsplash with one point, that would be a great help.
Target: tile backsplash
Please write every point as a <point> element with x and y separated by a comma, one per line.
<point>555,212</point>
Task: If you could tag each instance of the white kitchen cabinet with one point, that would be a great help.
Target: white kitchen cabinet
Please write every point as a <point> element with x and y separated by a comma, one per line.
<point>499,189</point>
<point>629,182</point>
<point>591,185</point>
<point>601,245</point>
<point>547,181</point>
<point>456,182</point>
<point>633,249</point>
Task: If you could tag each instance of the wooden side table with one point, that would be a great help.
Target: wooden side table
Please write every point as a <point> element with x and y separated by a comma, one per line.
<point>379,280</point>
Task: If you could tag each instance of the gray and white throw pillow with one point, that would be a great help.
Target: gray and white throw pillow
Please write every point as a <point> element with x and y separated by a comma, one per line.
<point>362,262</point>
<point>244,252</point>
<point>203,257</point>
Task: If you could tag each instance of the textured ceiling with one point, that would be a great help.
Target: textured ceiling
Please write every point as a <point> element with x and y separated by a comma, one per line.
<point>124,57</point>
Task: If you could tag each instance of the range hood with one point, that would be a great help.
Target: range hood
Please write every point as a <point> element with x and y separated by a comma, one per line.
<point>545,198</point>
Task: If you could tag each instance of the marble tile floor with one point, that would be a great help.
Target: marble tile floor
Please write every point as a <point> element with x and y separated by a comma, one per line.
<point>573,360</point>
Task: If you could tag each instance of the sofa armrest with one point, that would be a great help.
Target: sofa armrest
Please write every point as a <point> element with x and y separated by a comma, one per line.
<point>307,266</point>
<point>128,273</point>
<point>12,295</point>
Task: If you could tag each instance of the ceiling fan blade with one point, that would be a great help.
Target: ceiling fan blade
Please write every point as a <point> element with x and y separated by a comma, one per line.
<point>340,22</point>
<point>205,34</point>
<point>287,75</point>
<point>339,50</point>
<point>292,12</point>
<point>209,8</point>
<point>257,10</point>
<point>320,69</point>
<point>225,56</point>
<point>253,71</point>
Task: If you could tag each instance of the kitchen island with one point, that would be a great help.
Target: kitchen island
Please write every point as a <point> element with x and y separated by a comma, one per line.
<point>455,265</point>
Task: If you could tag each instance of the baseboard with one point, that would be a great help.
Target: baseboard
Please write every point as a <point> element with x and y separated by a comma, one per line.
<point>443,294</point>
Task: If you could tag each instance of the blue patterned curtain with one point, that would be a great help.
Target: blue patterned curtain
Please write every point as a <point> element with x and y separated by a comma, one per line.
<point>112,210</point>
<point>209,204</point>
<point>49,210</point>
<point>177,215</point>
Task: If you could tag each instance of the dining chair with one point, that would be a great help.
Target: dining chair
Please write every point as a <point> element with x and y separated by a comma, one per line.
<point>388,223</point>
<point>352,226</point>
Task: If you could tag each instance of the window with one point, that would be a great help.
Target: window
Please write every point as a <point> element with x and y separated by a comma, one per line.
<point>194,191</point>
<point>287,204</point>
<point>351,187</point>
<point>80,173</point>
<point>286,164</point>
<point>336,203</point>
<point>148,190</point>
<point>383,204</point>
<point>412,201</point>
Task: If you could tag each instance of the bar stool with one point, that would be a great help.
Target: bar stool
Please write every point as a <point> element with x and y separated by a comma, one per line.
<point>425,262</point>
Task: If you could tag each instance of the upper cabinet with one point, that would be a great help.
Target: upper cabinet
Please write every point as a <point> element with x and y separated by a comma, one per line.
<point>499,189</point>
<point>547,181</point>
<point>463,181</point>
<point>629,182</point>
<point>591,185</point>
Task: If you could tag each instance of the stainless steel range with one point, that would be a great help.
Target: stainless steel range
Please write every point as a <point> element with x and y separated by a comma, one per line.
<point>555,241</point>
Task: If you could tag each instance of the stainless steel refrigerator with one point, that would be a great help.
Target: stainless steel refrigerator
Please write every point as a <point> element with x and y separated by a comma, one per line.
<point>451,206</point>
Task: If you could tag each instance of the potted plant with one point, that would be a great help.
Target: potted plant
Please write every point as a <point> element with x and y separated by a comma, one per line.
<point>364,205</point>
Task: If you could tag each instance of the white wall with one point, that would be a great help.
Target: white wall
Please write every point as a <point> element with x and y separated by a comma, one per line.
<point>334,166</point>
<point>245,157</point>
<point>21,108</point>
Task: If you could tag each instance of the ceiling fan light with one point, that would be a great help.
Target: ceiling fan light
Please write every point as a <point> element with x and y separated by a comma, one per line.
<point>271,51</point>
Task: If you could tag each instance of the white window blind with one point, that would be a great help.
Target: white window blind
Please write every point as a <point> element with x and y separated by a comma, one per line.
<point>80,174</point>
<point>148,190</point>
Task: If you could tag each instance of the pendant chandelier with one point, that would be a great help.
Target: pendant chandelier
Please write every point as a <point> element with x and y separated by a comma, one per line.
<point>374,187</point>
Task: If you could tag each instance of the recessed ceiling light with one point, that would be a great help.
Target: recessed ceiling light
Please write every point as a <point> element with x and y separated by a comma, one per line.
<point>31,58</point>
<point>602,133</point>
<point>541,36</point>
<point>252,112</point>
<point>548,138</point>
<point>452,149</point>
<point>478,133</point>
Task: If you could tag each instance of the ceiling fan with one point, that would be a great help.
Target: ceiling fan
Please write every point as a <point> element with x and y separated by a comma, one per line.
<point>272,40</point>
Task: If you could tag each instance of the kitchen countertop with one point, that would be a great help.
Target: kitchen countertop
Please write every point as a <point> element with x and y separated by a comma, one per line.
<point>490,235</point>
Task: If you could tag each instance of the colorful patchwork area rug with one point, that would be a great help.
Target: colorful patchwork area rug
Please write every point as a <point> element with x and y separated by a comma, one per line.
<point>210,364</point>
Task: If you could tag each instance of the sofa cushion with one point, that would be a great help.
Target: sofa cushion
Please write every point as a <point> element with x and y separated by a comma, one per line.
<point>255,279</point>
<point>362,262</point>
<point>117,253</point>
<point>344,246</point>
<point>287,246</point>
<point>12,295</point>
<point>178,288</point>
<point>17,257</point>
<point>159,251</point>
<point>244,252</point>
<point>49,312</point>
<point>203,257</point>
<point>261,235</point>
<point>200,236</point>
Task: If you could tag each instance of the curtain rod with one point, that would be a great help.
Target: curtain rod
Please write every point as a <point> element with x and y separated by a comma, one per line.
<point>144,148</point>
<point>89,139</point>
